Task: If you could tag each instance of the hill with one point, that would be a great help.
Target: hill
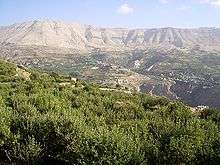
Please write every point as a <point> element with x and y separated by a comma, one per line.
<point>48,118</point>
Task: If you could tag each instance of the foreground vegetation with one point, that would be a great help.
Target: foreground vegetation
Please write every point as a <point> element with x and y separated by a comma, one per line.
<point>43,120</point>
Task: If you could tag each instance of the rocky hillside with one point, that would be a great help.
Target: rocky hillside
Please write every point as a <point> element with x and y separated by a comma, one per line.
<point>83,37</point>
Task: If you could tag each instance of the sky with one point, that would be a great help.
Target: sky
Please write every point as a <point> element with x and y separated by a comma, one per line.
<point>115,13</point>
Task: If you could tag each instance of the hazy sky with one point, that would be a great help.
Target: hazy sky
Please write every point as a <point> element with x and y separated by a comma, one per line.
<point>115,13</point>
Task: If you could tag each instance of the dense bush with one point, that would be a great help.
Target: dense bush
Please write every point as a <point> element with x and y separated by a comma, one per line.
<point>43,122</point>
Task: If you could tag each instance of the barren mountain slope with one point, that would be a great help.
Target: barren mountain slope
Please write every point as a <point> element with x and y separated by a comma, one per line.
<point>78,36</point>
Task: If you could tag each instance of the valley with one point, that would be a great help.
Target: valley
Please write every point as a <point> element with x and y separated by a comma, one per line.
<point>157,63</point>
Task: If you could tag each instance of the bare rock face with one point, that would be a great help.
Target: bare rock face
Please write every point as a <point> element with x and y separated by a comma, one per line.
<point>81,37</point>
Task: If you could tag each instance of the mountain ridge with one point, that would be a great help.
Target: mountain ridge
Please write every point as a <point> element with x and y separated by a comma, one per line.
<point>110,27</point>
<point>82,36</point>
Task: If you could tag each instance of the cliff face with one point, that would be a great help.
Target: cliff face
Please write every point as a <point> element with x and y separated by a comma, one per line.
<point>79,36</point>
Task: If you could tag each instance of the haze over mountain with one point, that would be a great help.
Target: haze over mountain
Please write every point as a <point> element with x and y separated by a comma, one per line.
<point>82,37</point>
<point>181,64</point>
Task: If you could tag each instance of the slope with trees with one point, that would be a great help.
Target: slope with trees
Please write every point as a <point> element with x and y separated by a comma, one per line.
<point>43,121</point>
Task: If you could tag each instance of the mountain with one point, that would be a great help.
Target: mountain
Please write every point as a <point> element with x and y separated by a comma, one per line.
<point>181,64</point>
<point>78,36</point>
